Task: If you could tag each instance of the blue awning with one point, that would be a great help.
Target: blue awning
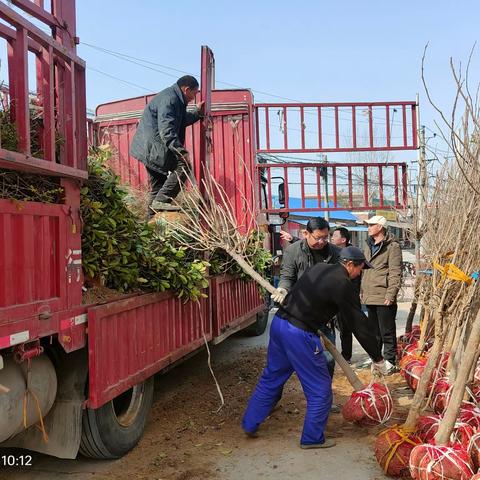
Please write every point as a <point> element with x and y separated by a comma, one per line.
<point>355,228</point>
<point>313,203</point>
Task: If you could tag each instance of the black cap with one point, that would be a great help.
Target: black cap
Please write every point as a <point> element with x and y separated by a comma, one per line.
<point>355,254</point>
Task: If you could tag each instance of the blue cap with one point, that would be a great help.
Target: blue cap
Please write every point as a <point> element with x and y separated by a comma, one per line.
<point>355,254</point>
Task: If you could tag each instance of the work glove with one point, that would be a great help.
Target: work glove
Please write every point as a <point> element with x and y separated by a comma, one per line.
<point>279,295</point>
<point>382,368</point>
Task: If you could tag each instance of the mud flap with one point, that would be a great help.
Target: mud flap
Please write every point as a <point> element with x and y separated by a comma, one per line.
<point>63,423</point>
<point>64,427</point>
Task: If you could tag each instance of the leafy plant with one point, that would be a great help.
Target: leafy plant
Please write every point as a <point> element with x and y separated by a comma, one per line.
<point>125,253</point>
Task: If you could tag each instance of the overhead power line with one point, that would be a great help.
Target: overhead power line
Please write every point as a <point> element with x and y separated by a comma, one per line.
<point>148,64</point>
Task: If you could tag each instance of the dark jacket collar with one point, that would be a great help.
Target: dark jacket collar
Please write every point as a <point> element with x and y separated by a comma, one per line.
<point>388,239</point>
<point>306,249</point>
<point>179,93</point>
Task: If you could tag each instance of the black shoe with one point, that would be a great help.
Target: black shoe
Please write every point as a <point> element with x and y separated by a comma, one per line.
<point>326,444</point>
<point>164,207</point>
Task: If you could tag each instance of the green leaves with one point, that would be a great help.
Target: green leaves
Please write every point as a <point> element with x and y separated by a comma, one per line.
<point>122,251</point>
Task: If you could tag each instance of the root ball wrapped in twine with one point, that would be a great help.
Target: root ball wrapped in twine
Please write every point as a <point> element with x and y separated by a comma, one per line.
<point>392,450</point>
<point>370,406</point>
<point>413,371</point>
<point>432,462</point>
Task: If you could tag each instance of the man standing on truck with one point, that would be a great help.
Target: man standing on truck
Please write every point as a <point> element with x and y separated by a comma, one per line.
<point>294,346</point>
<point>159,141</point>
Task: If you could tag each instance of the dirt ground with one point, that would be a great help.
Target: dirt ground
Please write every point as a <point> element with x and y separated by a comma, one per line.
<point>187,439</point>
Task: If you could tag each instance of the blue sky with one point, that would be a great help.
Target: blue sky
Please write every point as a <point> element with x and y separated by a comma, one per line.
<point>305,50</point>
<point>314,51</point>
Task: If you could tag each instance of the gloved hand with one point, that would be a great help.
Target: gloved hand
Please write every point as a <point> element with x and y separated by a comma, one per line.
<point>381,368</point>
<point>279,295</point>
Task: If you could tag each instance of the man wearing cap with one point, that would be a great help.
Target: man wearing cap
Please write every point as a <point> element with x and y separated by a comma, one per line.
<point>380,285</point>
<point>294,346</point>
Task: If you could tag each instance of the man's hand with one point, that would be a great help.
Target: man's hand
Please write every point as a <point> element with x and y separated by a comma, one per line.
<point>285,236</point>
<point>201,107</point>
<point>279,295</point>
<point>387,303</point>
<point>186,158</point>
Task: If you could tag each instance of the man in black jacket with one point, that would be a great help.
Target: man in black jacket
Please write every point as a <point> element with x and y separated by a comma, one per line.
<point>341,238</point>
<point>159,141</point>
<point>294,346</point>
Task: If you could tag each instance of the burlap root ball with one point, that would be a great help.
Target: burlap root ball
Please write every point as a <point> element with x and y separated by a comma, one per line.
<point>432,462</point>
<point>392,450</point>
<point>370,406</point>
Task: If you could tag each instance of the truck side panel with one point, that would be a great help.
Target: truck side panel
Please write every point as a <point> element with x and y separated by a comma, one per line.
<point>33,276</point>
<point>232,146</point>
<point>130,340</point>
<point>235,302</point>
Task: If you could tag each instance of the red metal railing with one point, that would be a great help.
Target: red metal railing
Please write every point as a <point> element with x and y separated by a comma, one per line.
<point>348,186</point>
<point>60,89</point>
<point>336,127</point>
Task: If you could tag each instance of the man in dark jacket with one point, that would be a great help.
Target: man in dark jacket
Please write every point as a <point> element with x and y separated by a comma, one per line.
<point>159,141</point>
<point>294,346</point>
<point>341,238</point>
<point>301,255</point>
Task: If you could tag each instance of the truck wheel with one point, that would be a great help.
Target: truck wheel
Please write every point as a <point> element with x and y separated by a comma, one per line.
<point>115,428</point>
<point>258,328</point>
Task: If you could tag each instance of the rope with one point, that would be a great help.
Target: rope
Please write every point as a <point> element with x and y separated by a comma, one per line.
<point>370,394</point>
<point>404,435</point>
<point>452,272</point>
<point>435,455</point>
<point>37,402</point>
<point>39,409</point>
<point>209,360</point>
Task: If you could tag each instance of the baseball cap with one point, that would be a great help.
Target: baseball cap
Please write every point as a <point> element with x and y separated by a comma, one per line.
<point>377,220</point>
<point>355,254</point>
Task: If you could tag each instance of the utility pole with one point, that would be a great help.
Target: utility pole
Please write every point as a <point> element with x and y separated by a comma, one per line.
<point>324,175</point>
<point>421,199</point>
<point>421,188</point>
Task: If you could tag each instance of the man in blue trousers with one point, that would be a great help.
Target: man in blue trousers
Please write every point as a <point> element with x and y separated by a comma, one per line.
<point>320,293</point>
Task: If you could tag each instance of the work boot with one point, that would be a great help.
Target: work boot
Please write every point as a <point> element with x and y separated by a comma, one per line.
<point>329,442</point>
<point>164,206</point>
<point>251,434</point>
<point>364,364</point>
<point>392,368</point>
<point>334,408</point>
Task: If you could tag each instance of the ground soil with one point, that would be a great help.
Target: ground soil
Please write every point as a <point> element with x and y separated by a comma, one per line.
<point>188,439</point>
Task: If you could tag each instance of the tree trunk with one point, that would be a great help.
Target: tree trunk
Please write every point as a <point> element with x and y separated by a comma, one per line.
<point>426,321</point>
<point>450,416</point>
<point>421,392</point>
<point>355,382</point>
<point>456,352</point>
<point>411,316</point>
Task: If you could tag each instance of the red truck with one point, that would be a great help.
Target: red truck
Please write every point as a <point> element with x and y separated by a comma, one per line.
<point>84,373</point>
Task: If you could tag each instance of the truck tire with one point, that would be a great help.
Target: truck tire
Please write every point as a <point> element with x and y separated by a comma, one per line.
<point>260,325</point>
<point>115,428</point>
